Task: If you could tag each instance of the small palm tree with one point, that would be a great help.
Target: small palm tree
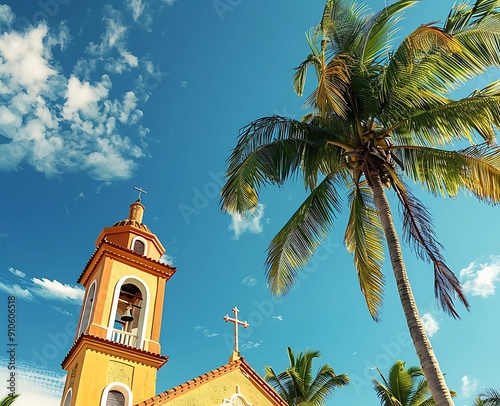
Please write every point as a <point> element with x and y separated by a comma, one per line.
<point>404,387</point>
<point>8,400</point>
<point>297,385</point>
<point>490,397</point>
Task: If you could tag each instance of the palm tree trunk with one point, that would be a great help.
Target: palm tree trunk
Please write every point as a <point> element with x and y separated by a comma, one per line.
<point>428,361</point>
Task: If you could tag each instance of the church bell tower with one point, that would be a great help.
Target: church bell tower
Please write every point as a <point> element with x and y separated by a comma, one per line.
<point>116,354</point>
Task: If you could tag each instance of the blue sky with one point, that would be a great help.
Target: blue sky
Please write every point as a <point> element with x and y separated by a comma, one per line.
<point>98,97</point>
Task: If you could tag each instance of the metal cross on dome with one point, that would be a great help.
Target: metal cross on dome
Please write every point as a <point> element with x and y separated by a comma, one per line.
<point>140,190</point>
<point>236,322</point>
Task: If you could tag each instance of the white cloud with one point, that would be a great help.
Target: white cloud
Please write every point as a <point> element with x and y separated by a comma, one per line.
<point>25,58</point>
<point>480,279</point>
<point>142,12</point>
<point>250,222</point>
<point>137,7</point>
<point>167,259</point>
<point>58,124</point>
<point>6,14</point>
<point>82,98</point>
<point>107,163</point>
<point>430,324</point>
<point>17,272</point>
<point>205,331</point>
<point>469,386</point>
<point>249,281</point>
<point>7,117</point>
<point>58,310</point>
<point>170,2</point>
<point>17,291</point>
<point>55,290</point>
<point>250,344</point>
<point>62,37</point>
<point>112,50</point>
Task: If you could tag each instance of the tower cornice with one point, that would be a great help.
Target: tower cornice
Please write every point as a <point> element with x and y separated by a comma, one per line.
<point>115,251</point>
<point>88,342</point>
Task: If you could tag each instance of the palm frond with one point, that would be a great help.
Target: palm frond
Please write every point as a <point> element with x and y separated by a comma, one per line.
<point>333,84</point>
<point>296,242</point>
<point>384,394</point>
<point>326,19</point>
<point>270,150</point>
<point>300,75</point>
<point>463,16</point>
<point>364,238</point>
<point>341,27</point>
<point>272,379</point>
<point>490,397</point>
<point>9,400</point>
<point>453,121</point>
<point>476,168</point>
<point>420,235</point>
<point>421,394</point>
<point>268,129</point>
<point>379,29</point>
<point>296,383</point>
<point>322,388</point>
<point>402,75</point>
<point>304,366</point>
<point>481,172</point>
<point>400,382</point>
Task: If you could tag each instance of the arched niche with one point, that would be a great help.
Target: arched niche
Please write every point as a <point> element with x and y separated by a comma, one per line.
<point>87,309</point>
<point>67,398</point>
<point>139,245</point>
<point>116,394</point>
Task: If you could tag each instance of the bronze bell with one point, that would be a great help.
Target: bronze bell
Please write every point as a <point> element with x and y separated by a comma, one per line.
<point>127,315</point>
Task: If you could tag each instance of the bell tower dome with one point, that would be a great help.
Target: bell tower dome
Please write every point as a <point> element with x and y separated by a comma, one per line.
<point>116,353</point>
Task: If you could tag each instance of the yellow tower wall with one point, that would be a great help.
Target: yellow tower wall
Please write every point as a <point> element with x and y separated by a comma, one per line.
<point>94,367</point>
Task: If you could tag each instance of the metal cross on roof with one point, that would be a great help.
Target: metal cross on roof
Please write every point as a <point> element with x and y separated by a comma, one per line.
<point>140,191</point>
<point>236,322</point>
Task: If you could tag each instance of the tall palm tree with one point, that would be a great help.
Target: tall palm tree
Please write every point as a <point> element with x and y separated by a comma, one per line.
<point>379,113</point>
<point>404,387</point>
<point>8,400</point>
<point>490,397</point>
<point>297,385</point>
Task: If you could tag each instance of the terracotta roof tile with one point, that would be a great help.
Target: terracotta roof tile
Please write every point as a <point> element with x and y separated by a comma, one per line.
<point>132,223</point>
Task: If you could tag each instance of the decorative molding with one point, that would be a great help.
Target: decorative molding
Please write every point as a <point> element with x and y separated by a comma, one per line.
<point>236,400</point>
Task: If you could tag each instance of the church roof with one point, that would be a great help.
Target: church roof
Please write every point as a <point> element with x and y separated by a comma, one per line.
<point>241,364</point>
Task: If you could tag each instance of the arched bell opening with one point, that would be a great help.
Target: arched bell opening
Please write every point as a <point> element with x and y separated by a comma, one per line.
<point>129,313</point>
